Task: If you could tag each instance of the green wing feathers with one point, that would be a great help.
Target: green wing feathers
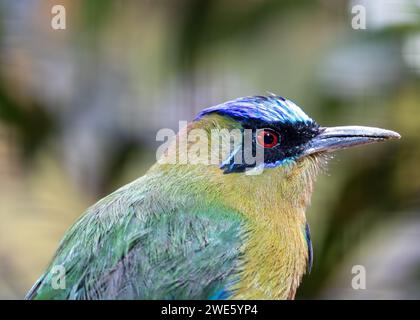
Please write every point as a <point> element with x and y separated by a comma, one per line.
<point>134,245</point>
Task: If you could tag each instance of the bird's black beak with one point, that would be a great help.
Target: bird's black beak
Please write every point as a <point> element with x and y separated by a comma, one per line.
<point>336,138</point>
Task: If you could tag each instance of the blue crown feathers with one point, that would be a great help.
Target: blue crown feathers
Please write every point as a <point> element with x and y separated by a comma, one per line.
<point>264,108</point>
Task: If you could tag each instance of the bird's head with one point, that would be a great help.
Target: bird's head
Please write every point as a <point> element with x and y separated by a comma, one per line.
<point>283,132</point>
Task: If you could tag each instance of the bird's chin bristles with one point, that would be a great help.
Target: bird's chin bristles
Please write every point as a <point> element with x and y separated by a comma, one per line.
<point>294,180</point>
<point>320,161</point>
<point>313,165</point>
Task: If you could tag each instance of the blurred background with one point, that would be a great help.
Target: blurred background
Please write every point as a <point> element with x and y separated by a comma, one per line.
<point>80,108</point>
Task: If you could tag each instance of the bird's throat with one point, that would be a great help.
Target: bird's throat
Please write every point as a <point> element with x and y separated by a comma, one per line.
<point>275,251</point>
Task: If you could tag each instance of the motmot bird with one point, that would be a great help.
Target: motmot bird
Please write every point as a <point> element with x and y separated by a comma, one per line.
<point>207,231</point>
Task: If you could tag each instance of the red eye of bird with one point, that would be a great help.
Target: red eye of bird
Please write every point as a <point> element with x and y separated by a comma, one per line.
<point>267,138</point>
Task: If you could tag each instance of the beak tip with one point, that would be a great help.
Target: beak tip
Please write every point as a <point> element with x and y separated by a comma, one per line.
<point>389,135</point>
<point>394,135</point>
